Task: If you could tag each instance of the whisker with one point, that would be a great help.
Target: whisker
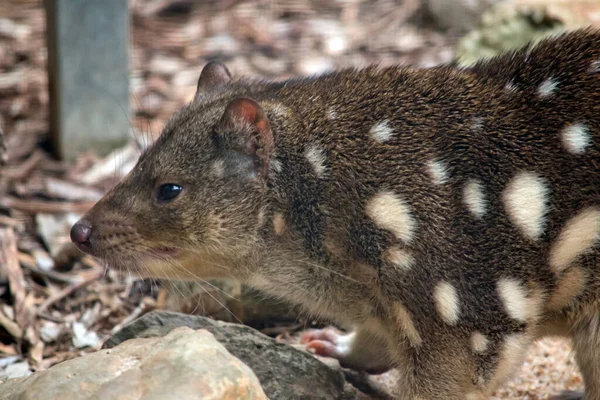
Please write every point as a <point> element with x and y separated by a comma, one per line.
<point>178,265</point>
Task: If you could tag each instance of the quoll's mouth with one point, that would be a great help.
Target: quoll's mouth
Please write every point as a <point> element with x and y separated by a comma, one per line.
<point>165,251</point>
<point>81,234</point>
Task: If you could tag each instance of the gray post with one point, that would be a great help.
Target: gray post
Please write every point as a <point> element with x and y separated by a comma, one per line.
<point>88,70</point>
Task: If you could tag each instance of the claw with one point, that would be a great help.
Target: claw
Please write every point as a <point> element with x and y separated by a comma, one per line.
<point>330,342</point>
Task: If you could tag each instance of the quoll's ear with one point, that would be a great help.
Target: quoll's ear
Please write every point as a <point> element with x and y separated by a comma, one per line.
<point>213,75</point>
<point>245,127</point>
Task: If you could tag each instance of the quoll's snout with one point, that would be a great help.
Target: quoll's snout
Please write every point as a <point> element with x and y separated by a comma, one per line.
<point>80,234</point>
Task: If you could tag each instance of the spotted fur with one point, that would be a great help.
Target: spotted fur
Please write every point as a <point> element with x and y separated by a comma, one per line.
<point>450,215</point>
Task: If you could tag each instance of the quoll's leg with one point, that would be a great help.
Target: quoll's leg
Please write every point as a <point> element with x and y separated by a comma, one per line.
<point>358,350</point>
<point>559,326</point>
<point>586,342</point>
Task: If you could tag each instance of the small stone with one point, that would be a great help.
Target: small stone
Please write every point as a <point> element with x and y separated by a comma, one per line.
<point>315,65</point>
<point>15,370</point>
<point>50,331</point>
<point>13,30</point>
<point>43,260</point>
<point>222,44</point>
<point>165,65</point>
<point>183,365</point>
<point>84,338</point>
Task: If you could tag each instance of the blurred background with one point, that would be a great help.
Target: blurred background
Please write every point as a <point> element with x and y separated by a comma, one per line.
<point>69,136</point>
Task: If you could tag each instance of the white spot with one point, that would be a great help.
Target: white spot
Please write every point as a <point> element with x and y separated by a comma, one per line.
<point>331,113</point>
<point>474,198</point>
<point>548,87</point>
<point>316,157</point>
<point>261,217</point>
<point>570,285</point>
<point>280,110</point>
<point>517,303</point>
<point>579,235</point>
<point>512,356</point>
<point>479,381</point>
<point>400,258</point>
<point>528,54</point>
<point>278,223</point>
<point>381,132</point>
<point>526,203</point>
<point>477,124</point>
<point>276,165</point>
<point>405,321</point>
<point>479,342</point>
<point>510,87</point>
<point>218,168</point>
<point>576,138</point>
<point>438,171</point>
<point>391,213</point>
<point>446,302</point>
<point>595,66</point>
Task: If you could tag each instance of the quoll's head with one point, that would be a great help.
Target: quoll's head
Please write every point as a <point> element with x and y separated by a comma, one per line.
<point>193,202</point>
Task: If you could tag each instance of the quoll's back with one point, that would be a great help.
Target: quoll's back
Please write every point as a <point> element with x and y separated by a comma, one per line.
<point>452,216</point>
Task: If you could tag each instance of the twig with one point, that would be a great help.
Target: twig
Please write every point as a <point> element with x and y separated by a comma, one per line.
<point>61,189</point>
<point>11,326</point>
<point>8,221</point>
<point>136,313</point>
<point>24,169</point>
<point>86,280</point>
<point>29,262</point>
<point>9,259</point>
<point>41,206</point>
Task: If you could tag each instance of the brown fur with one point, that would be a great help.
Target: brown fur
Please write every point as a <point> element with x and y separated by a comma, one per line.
<point>280,223</point>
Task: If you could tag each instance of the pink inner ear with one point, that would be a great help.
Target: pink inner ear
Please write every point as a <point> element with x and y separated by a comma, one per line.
<point>243,111</point>
<point>246,111</point>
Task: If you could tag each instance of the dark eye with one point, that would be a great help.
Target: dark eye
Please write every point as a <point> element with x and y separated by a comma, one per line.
<point>168,192</point>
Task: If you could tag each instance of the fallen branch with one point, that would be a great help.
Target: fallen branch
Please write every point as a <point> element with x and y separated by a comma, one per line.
<point>11,326</point>
<point>85,280</point>
<point>10,260</point>
<point>28,262</point>
<point>41,206</point>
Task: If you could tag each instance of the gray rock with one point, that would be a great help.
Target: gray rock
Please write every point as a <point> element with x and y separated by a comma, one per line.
<point>284,372</point>
<point>184,365</point>
<point>458,15</point>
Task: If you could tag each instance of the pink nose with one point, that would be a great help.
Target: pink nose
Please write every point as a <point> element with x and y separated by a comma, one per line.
<point>80,232</point>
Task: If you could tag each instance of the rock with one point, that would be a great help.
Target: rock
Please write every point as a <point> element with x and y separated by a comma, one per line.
<point>15,370</point>
<point>50,331</point>
<point>183,365</point>
<point>284,372</point>
<point>505,28</point>
<point>458,15</point>
<point>84,338</point>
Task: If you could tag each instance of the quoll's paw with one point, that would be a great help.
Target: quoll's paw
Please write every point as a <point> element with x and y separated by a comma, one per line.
<point>569,395</point>
<point>330,342</point>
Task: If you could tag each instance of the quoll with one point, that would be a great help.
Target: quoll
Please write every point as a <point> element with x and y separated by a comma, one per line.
<point>450,216</point>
